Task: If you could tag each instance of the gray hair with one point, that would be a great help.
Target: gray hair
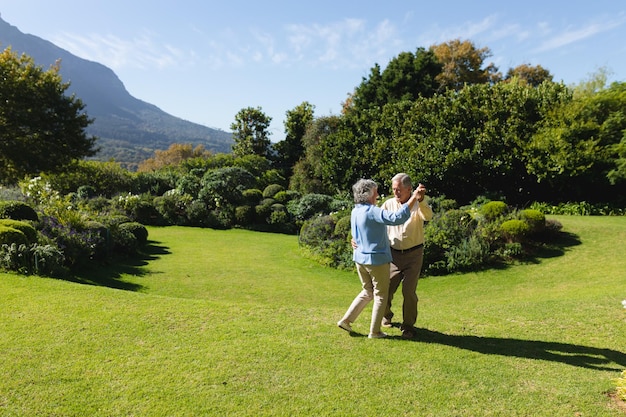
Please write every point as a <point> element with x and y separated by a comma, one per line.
<point>404,179</point>
<point>363,191</point>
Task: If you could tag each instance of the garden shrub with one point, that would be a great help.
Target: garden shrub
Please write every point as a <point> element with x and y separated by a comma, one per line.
<point>264,209</point>
<point>252,196</point>
<point>172,207</point>
<point>29,231</point>
<point>493,209</point>
<point>309,205</point>
<point>124,241</point>
<point>138,230</point>
<point>85,192</point>
<point>317,230</point>
<point>342,228</point>
<point>244,215</point>
<point>448,229</point>
<point>285,196</point>
<point>197,214</point>
<point>536,220</point>
<point>469,255</point>
<point>44,260</point>
<point>271,190</point>
<point>17,210</point>
<point>9,235</point>
<point>514,230</point>
<point>317,236</point>
<point>78,243</point>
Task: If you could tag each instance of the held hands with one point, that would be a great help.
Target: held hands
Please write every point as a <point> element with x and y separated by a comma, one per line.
<point>420,192</point>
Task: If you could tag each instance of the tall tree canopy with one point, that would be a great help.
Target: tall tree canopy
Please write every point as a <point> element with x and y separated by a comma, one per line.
<point>406,77</point>
<point>291,149</point>
<point>41,128</point>
<point>250,132</point>
<point>463,63</point>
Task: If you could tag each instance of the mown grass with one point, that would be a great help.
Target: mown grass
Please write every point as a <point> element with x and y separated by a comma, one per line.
<point>235,322</point>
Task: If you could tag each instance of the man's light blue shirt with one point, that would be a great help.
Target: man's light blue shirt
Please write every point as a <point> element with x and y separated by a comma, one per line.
<point>368,224</point>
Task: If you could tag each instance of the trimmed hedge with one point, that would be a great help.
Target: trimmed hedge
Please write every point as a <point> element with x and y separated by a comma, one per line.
<point>17,210</point>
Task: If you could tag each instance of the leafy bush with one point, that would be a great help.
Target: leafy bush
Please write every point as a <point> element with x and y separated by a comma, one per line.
<point>470,254</point>
<point>252,196</point>
<point>536,220</point>
<point>197,214</point>
<point>445,231</point>
<point>29,231</point>
<point>493,209</point>
<point>172,207</point>
<point>9,235</point>
<point>317,230</point>
<point>285,196</point>
<point>342,228</point>
<point>515,230</point>
<point>244,215</point>
<point>124,241</point>
<point>17,210</point>
<point>271,190</point>
<point>45,260</point>
<point>138,230</point>
<point>86,191</point>
<point>317,235</point>
<point>77,242</point>
<point>310,205</point>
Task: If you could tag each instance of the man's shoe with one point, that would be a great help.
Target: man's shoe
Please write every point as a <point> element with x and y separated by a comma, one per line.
<point>409,334</point>
<point>378,335</point>
<point>386,322</point>
<point>344,325</point>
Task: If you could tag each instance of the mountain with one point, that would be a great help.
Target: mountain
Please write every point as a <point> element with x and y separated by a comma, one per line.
<point>129,129</point>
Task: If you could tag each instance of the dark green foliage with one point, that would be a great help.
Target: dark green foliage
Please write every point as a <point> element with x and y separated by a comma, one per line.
<point>446,231</point>
<point>493,209</point>
<point>138,230</point>
<point>470,254</point>
<point>45,260</point>
<point>244,215</point>
<point>26,228</point>
<point>17,210</point>
<point>86,191</point>
<point>9,235</point>
<point>172,207</point>
<point>318,236</point>
<point>197,214</point>
<point>342,228</point>
<point>252,196</point>
<point>271,190</point>
<point>43,127</point>
<point>515,230</point>
<point>310,205</point>
<point>285,196</point>
<point>317,230</point>
<point>535,219</point>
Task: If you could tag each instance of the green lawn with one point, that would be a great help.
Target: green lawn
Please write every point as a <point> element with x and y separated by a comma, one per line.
<point>237,323</point>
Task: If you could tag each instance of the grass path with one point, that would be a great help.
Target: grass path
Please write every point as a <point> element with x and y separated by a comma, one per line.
<point>236,323</point>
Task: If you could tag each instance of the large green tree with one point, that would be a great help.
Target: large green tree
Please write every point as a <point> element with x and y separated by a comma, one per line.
<point>291,149</point>
<point>406,77</point>
<point>41,128</point>
<point>464,63</point>
<point>250,132</point>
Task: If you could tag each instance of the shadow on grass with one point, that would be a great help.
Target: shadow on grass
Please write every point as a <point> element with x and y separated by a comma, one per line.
<point>110,274</point>
<point>569,354</point>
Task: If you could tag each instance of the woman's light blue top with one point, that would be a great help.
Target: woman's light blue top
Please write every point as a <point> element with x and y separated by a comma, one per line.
<point>368,224</point>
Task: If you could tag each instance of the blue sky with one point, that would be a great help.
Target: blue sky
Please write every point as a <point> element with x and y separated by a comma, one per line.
<point>204,60</point>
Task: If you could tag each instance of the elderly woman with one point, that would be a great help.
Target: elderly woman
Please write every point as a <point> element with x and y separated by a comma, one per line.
<point>372,254</point>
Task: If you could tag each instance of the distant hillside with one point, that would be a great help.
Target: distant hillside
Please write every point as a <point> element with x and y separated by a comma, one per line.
<point>130,130</point>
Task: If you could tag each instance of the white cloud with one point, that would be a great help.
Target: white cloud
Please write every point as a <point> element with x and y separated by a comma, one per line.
<point>141,52</point>
<point>570,36</point>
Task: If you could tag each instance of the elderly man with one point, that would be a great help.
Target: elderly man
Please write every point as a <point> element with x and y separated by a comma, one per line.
<point>407,251</point>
